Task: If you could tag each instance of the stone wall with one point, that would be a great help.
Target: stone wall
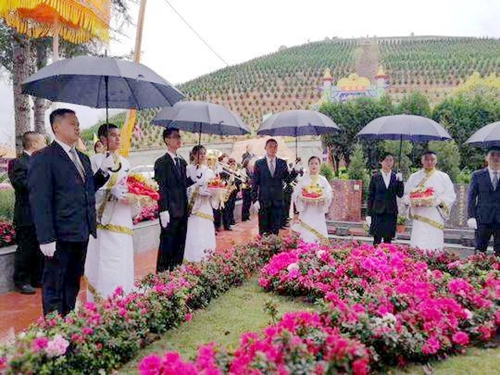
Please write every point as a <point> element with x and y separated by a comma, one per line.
<point>347,199</point>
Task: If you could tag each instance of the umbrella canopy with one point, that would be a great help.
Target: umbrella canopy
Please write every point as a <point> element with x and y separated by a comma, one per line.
<point>298,122</point>
<point>201,117</point>
<point>487,136</point>
<point>102,82</point>
<point>405,128</point>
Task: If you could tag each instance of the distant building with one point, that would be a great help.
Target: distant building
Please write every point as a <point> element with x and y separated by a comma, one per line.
<point>351,87</point>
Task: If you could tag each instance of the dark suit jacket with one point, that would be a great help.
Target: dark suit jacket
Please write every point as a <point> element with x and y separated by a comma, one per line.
<point>269,189</point>
<point>483,203</point>
<point>18,175</point>
<point>173,186</point>
<point>382,200</point>
<point>62,204</point>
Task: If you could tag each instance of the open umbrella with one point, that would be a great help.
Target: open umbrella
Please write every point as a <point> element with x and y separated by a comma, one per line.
<point>404,128</point>
<point>201,117</point>
<point>102,82</point>
<point>487,136</point>
<point>296,123</point>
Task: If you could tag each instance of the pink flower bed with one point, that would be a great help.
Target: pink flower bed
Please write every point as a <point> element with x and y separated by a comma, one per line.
<point>300,343</point>
<point>100,337</point>
<point>389,298</point>
<point>7,234</point>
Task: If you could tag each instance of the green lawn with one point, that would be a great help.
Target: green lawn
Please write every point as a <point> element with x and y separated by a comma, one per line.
<point>242,309</point>
<point>223,321</point>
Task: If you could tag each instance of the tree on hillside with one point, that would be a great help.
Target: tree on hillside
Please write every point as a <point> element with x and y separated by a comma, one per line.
<point>415,104</point>
<point>448,157</point>
<point>462,115</point>
<point>351,117</point>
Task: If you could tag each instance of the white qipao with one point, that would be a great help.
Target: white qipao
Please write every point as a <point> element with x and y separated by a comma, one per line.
<point>312,221</point>
<point>110,256</point>
<point>428,222</point>
<point>200,237</point>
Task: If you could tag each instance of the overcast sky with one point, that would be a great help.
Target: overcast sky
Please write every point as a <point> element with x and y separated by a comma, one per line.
<point>241,30</point>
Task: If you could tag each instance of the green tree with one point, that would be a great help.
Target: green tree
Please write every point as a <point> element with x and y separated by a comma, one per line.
<point>415,103</point>
<point>448,157</point>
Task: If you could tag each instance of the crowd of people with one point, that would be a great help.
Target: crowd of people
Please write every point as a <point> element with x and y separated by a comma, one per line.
<point>73,217</point>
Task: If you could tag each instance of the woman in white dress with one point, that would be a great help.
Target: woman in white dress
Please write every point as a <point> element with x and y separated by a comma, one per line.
<point>110,256</point>
<point>312,221</point>
<point>200,238</point>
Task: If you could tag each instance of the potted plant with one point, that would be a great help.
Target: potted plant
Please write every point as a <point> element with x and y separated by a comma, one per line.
<point>400,224</point>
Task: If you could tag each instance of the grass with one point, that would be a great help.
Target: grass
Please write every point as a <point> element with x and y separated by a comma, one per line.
<point>242,310</point>
<point>239,310</point>
<point>477,361</point>
<point>7,199</point>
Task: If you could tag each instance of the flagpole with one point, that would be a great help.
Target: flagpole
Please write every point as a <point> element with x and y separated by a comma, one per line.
<point>128,126</point>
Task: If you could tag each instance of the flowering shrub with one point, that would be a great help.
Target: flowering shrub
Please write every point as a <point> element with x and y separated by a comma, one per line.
<point>7,234</point>
<point>148,212</point>
<point>390,299</point>
<point>101,336</point>
<point>301,342</point>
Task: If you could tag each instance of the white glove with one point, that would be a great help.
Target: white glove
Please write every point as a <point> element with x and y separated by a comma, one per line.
<point>107,163</point>
<point>399,176</point>
<point>164,218</point>
<point>191,172</point>
<point>48,249</point>
<point>256,205</point>
<point>368,220</point>
<point>472,223</point>
<point>119,191</point>
<point>297,167</point>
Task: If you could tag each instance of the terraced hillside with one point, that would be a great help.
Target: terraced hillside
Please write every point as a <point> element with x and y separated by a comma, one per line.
<point>291,77</point>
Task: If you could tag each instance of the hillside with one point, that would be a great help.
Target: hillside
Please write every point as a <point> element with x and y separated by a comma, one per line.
<point>291,78</point>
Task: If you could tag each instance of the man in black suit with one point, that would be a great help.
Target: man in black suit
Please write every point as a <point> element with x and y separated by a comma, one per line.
<point>267,188</point>
<point>170,173</point>
<point>483,203</point>
<point>28,261</point>
<point>382,208</point>
<point>62,190</point>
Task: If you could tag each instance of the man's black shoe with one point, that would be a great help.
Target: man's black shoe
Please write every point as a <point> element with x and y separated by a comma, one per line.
<point>25,289</point>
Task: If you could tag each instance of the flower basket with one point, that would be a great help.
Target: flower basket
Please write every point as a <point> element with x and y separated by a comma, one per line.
<point>422,196</point>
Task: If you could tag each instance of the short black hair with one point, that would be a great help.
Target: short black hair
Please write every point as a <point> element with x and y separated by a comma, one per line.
<point>312,158</point>
<point>271,140</point>
<point>28,138</point>
<point>384,155</point>
<point>168,132</point>
<point>56,113</point>
<point>493,148</point>
<point>428,152</point>
<point>104,129</point>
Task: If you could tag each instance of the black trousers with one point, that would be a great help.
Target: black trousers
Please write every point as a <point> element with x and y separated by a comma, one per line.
<point>286,208</point>
<point>172,243</point>
<point>270,218</point>
<point>61,277</point>
<point>247,203</point>
<point>228,211</point>
<point>483,235</point>
<point>28,259</point>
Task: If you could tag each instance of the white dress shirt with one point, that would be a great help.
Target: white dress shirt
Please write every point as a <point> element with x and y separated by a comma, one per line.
<point>269,164</point>
<point>386,177</point>
<point>491,172</point>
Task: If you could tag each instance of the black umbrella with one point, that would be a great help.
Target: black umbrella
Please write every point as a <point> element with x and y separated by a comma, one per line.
<point>102,82</point>
<point>296,123</point>
<point>201,117</point>
<point>404,128</point>
<point>487,136</point>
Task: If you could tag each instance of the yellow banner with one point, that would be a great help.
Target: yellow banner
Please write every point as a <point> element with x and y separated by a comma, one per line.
<point>126,132</point>
<point>78,21</point>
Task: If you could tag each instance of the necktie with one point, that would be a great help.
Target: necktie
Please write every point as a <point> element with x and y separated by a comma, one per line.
<point>177,165</point>
<point>271,167</point>
<point>78,165</point>
<point>495,180</point>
